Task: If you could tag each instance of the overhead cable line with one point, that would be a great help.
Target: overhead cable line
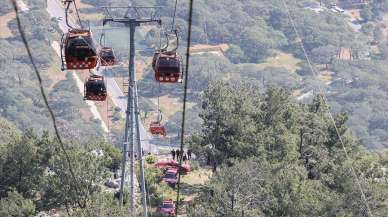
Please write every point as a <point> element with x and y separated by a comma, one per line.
<point>325,100</point>
<point>173,17</point>
<point>184,101</point>
<point>78,16</point>
<point>52,116</point>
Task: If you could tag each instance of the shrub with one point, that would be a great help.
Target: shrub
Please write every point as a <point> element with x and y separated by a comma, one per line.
<point>194,165</point>
<point>151,159</point>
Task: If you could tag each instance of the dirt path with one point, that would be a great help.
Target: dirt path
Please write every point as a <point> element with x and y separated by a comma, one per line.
<point>5,32</point>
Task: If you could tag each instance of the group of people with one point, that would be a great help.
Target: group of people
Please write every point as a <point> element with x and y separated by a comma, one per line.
<point>177,153</point>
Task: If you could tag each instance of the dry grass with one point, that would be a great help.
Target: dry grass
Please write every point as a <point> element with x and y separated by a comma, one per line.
<point>170,105</point>
<point>147,28</point>
<point>345,54</point>
<point>106,110</point>
<point>5,32</point>
<point>297,93</point>
<point>197,177</point>
<point>55,74</point>
<point>325,78</point>
<point>86,114</point>
<point>120,82</point>
<point>140,69</point>
<point>207,47</point>
<point>192,184</point>
<point>283,60</point>
<point>375,49</point>
<point>354,14</point>
<point>86,16</point>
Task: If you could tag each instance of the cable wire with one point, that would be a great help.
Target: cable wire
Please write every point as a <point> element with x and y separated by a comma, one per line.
<point>173,17</point>
<point>78,16</point>
<point>43,93</point>
<point>184,101</point>
<point>324,98</point>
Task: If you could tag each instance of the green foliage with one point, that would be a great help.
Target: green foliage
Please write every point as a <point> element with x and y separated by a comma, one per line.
<point>22,163</point>
<point>64,188</point>
<point>15,205</point>
<point>267,147</point>
<point>151,159</point>
<point>158,191</point>
<point>103,205</point>
<point>8,132</point>
<point>235,54</point>
<point>194,165</point>
<point>113,156</point>
<point>21,101</point>
<point>247,114</point>
<point>366,14</point>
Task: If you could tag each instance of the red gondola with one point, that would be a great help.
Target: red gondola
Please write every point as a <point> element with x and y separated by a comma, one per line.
<point>79,50</point>
<point>167,67</point>
<point>107,56</point>
<point>155,58</point>
<point>157,129</point>
<point>95,88</point>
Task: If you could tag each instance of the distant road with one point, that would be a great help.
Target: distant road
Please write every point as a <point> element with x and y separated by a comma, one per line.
<point>55,9</point>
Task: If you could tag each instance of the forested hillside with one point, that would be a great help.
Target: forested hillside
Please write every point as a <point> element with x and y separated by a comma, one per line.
<point>348,52</point>
<point>281,158</point>
<point>20,100</point>
<point>285,113</point>
<point>258,32</point>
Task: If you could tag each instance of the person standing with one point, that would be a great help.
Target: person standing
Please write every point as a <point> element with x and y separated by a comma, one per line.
<point>182,153</point>
<point>173,154</point>
<point>177,154</point>
<point>184,158</point>
<point>189,154</point>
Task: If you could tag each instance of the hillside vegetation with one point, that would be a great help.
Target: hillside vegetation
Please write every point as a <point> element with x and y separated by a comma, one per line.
<point>258,30</point>
<point>275,157</point>
<point>20,101</point>
<point>264,140</point>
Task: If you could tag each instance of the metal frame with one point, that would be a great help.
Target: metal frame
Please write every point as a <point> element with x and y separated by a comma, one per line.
<point>132,117</point>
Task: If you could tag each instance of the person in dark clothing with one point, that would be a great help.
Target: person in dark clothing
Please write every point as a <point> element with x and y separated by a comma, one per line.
<point>173,154</point>
<point>184,158</point>
<point>189,154</point>
<point>177,152</point>
<point>182,153</point>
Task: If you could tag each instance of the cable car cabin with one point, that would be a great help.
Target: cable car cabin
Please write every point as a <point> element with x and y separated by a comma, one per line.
<point>155,58</point>
<point>107,56</point>
<point>80,52</point>
<point>95,88</point>
<point>157,129</point>
<point>168,67</point>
